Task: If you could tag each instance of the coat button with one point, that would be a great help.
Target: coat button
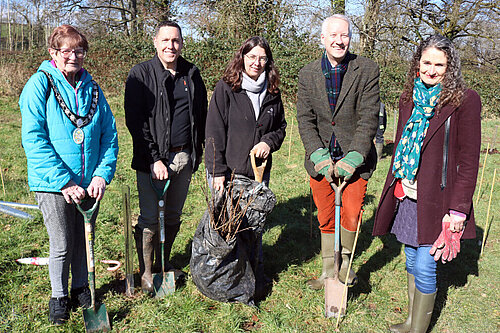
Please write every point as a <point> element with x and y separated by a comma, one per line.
<point>333,123</point>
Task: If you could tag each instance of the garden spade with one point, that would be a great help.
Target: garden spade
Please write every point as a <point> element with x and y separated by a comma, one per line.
<point>96,317</point>
<point>164,282</point>
<point>335,298</point>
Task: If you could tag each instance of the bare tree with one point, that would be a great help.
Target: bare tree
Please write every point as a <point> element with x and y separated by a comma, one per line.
<point>128,16</point>
<point>9,25</point>
<point>338,6</point>
<point>369,27</point>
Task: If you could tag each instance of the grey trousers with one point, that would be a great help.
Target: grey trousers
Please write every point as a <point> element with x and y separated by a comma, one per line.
<point>179,172</point>
<point>64,225</point>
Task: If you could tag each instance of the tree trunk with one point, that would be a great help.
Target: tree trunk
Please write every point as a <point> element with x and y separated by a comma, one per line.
<point>10,28</point>
<point>338,6</point>
<point>368,33</point>
<point>133,17</point>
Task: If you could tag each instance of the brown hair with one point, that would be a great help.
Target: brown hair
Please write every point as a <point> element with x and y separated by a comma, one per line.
<point>172,24</point>
<point>233,73</point>
<point>67,34</point>
<point>453,85</point>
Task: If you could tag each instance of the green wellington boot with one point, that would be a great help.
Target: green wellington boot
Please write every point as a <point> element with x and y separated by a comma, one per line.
<point>148,240</point>
<point>405,326</point>
<point>423,304</point>
<point>347,242</point>
<point>328,256</point>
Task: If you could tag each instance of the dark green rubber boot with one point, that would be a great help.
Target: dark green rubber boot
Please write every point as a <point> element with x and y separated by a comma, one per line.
<point>347,242</point>
<point>423,304</point>
<point>328,256</point>
<point>405,326</point>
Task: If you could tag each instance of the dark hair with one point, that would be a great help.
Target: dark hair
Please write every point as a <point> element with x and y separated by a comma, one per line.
<point>172,24</point>
<point>67,34</point>
<point>453,85</point>
<point>233,73</point>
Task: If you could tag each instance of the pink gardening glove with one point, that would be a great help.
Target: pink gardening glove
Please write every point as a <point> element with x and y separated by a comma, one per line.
<point>442,247</point>
<point>457,228</point>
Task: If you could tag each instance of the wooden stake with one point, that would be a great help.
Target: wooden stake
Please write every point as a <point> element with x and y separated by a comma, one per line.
<point>488,213</point>
<point>310,214</point>
<point>482,173</point>
<point>3,185</point>
<point>395,123</point>
<point>350,264</point>
<point>290,142</point>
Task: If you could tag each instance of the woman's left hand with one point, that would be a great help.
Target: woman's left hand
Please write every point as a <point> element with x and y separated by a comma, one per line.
<point>456,223</point>
<point>261,150</point>
<point>97,187</point>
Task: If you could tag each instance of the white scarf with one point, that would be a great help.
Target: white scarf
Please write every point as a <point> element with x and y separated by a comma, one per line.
<point>256,90</point>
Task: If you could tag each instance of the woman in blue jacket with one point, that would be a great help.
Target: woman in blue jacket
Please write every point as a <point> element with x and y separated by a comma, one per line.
<point>70,140</point>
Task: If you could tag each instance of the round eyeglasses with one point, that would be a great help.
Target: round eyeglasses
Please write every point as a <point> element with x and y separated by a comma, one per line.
<point>66,53</point>
<point>253,58</point>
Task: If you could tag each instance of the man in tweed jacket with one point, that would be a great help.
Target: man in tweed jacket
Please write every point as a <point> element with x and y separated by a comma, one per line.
<point>337,112</point>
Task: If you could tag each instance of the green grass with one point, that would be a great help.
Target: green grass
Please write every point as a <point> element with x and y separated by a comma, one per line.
<point>468,299</point>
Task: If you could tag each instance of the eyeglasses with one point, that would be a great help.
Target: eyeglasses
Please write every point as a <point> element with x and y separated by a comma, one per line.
<point>253,58</point>
<point>66,53</point>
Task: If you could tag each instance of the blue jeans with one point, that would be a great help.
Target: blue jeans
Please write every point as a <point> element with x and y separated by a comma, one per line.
<point>422,266</point>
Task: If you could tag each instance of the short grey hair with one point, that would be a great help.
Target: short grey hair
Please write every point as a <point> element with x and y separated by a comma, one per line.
<point>339,17</point>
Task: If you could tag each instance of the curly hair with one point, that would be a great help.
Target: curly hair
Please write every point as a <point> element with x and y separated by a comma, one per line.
<point>453,85</point>
<point>233,73</point>
<point>67,34</point>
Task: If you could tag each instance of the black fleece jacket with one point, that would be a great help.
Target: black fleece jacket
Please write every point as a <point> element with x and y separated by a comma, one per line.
<point>232,131</point>
<point>147,112</point>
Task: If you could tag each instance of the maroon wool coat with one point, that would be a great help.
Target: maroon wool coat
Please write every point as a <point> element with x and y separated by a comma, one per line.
<point>463,163</point>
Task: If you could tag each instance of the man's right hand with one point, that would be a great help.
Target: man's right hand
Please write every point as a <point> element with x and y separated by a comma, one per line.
<point>323,164</point>
<point>72,192</point>
<point>159,170</point>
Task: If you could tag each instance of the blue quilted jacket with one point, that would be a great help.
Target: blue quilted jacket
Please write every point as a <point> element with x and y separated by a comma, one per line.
<point>47,134</point>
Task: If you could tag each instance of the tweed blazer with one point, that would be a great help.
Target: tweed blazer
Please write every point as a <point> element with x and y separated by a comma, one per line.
<point>355,119</point>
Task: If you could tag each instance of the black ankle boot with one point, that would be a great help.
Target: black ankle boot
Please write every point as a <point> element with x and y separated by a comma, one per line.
<point>58,310</point>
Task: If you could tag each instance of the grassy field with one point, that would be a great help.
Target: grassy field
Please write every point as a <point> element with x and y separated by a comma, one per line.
<point>468,298</point>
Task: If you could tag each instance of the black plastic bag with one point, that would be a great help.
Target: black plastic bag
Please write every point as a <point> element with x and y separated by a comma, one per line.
<point>223,270</point>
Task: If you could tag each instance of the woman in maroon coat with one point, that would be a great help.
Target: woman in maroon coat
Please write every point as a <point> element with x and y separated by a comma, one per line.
<point>427,197</point>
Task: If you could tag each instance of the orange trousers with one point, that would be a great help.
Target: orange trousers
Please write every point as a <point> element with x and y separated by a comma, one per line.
<point>353,197</point>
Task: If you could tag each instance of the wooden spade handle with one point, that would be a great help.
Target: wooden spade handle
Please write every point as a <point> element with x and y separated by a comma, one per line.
<point>257,170</point>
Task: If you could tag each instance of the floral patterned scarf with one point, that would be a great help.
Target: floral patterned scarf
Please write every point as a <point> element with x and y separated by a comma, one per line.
<point>407,155</point>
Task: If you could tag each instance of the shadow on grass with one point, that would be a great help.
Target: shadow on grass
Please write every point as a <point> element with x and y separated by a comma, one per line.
<point>391,248</point>
<point>298,240</point>
<point>388,149</point>
<point>181,259</point>
<point>455,273</point>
